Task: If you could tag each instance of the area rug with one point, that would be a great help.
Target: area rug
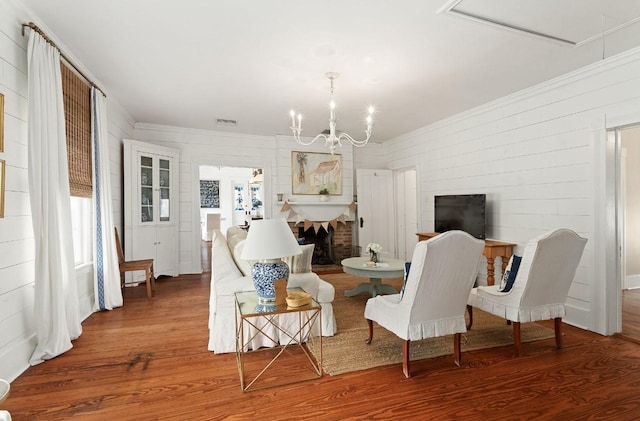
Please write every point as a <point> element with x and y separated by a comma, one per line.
<point>347,351</point>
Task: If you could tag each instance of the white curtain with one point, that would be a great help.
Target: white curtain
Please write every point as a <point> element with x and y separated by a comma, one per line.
<point>106,273</point>
<point>57,319</point>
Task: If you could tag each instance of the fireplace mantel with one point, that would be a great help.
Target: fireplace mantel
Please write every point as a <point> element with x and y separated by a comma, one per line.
<point>321,211</point>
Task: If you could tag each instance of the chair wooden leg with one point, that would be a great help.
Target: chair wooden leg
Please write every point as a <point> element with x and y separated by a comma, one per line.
<point>147,274</point>
<point>153,282</point>
<point>470,311</point>
<point>370,322</point>
<point>517,338</point>
<point>405,358</point>
<point>457,351</point>
<point>557,324</point>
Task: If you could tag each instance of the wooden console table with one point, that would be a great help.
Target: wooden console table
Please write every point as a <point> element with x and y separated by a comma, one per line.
<point>492,249</point>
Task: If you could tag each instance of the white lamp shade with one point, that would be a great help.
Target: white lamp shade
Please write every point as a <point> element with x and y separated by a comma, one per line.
<point>269,239</point>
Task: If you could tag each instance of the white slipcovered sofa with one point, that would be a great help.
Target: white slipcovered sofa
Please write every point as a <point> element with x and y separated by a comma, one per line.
<point>230,274</point>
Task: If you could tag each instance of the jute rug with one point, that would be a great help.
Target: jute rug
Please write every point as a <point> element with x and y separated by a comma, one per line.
<point>347,350</point>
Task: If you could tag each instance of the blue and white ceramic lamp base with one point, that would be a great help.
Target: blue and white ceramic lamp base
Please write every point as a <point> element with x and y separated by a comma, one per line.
<point>264,273</point>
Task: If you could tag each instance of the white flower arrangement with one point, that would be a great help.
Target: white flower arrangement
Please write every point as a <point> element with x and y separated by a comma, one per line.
<point>374,248</point>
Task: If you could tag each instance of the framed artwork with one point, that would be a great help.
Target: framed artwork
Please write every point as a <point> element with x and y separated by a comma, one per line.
<point>316,173</point>
<point>210,194</point>
<point>1,188</point>
<point>1,123</point>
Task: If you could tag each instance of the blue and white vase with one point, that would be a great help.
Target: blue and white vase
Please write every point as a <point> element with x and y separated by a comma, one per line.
<point>265,308</point>
<point>264,274</point>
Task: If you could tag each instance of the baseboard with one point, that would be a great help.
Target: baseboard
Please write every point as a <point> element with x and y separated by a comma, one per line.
<point>15,360</point>
<point>632,282</point>
<point>579,318</point>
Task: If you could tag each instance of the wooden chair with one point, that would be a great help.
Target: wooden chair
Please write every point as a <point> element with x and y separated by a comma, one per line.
<point>127,266</point>
<point>541,286</point>
<point>443,270</point>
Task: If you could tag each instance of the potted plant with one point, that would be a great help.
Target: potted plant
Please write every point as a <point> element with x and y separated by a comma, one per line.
<point>324,194</point>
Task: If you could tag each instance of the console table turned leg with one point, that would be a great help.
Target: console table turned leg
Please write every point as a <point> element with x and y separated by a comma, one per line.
<point>490,271</point>
<point>505,263</point>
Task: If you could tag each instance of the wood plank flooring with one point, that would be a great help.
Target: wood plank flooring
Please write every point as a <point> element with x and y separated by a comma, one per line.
<point>148,361</point>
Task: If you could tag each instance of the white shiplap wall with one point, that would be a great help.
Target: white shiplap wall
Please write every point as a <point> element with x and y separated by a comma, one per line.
<point>17,250</point>
<point>202,147</point>
<point>538,155</point>
<point>16,233</point>
<point>205,147</point>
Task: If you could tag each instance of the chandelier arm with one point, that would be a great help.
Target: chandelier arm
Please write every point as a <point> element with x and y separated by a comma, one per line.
<point>298,139</point>
<point>354,142</point>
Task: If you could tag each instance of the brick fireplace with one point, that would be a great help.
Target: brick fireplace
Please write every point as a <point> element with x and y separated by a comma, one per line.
<point>332,246</point>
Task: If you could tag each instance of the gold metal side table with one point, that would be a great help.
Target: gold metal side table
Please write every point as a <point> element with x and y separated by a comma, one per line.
<point>286,327</point>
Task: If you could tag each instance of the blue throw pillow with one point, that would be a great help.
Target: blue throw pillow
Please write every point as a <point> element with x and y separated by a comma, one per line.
<point>407,266</point>
<point>510,274</point>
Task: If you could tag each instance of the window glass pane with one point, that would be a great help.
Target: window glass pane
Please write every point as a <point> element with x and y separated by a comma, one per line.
<point>82,229</point>
<point>146,189</point>
<point>146,161</point>
<point>165,177</point>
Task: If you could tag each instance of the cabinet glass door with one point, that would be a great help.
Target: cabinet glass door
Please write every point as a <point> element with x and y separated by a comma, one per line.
<point>165,189</point>
<point>146,188</point>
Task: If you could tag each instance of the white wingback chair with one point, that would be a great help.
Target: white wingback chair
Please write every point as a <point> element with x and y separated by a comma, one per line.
<point>433,300</point>
<point>5,387</point>
<point>541,286</point>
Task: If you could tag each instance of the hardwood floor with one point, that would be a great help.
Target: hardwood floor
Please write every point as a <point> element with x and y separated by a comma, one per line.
<point>148,361</point>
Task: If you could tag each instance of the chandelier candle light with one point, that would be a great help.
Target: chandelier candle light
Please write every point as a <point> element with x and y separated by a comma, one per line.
<point>332,140</point>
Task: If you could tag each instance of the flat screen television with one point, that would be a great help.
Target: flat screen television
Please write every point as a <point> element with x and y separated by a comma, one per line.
<point>464,212</point>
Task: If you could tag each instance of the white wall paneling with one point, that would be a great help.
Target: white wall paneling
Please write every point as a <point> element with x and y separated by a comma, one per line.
<point>537,155</point>
<point>17,247</point>
<point>203,147</point>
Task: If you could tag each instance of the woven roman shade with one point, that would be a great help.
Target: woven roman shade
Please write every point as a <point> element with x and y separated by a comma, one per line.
<point>77,112</point>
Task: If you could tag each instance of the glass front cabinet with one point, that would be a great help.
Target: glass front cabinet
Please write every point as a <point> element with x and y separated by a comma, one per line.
<point>151,215</point>
<point>155,180</point>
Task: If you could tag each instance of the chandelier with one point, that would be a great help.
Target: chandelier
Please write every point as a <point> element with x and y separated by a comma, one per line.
<point>332,140</point>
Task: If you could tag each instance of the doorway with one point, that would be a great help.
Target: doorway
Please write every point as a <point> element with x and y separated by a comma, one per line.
<point>235,197</point>
<point>406,200</point>
<point>628,202</point>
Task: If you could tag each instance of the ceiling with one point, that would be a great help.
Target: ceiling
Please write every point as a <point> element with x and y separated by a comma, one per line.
<point>189,63</point>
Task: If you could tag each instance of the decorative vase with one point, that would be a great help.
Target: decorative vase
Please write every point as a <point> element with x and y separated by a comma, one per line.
<point>373,257</point>
<point>264,274</point>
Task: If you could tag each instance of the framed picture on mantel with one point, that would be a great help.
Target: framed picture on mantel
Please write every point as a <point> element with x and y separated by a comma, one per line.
<point>313,172</point>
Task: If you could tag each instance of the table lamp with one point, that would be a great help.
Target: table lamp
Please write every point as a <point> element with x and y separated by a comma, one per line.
<point>267,241</point>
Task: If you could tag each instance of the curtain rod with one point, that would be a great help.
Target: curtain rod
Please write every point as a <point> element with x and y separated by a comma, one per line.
<point>35,27</point>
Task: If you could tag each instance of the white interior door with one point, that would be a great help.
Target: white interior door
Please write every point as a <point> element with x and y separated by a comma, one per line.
<point>376,220</point>
<point>406,199</point>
